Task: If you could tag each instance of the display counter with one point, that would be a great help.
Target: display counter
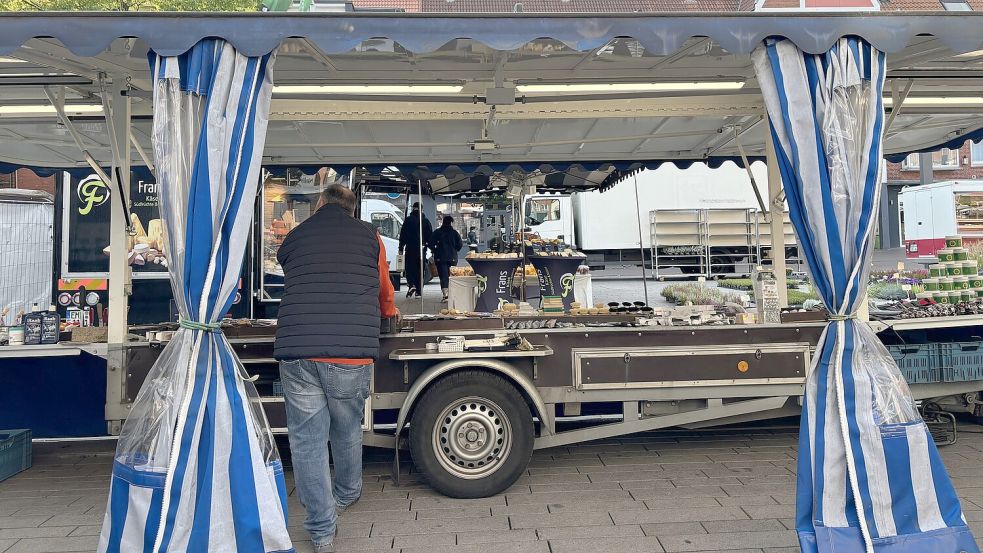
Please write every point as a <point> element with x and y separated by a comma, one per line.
<point>56,390</point>
<point>61,349</point>
<point>556,276</point>
<point>494,279</point>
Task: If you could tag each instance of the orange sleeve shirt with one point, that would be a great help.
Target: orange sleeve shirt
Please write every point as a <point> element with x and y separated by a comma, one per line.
<point>387,305</point>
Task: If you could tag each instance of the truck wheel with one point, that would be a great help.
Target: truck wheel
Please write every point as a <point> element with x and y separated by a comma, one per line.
<point>471,435</point>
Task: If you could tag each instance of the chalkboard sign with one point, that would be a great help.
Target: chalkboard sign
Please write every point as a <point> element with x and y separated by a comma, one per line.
<point>87,207</point>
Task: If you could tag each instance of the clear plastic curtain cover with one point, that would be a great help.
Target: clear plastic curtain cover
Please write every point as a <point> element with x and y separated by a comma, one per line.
<point>869,476</point>
<point>846,106</point>
<point>848,110</point>
<point>147,439</point>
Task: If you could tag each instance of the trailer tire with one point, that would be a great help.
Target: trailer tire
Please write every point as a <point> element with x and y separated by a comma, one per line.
<point>471,434</point>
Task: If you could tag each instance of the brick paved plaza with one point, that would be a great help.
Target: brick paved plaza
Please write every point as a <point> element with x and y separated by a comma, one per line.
<point>673,491</point>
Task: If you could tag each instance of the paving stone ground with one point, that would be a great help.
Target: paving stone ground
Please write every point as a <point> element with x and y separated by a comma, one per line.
<point>730,491</point>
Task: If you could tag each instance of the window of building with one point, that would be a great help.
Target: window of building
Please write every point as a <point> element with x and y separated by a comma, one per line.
<point>976,153</point>
<point>943,159</point>
<point>956,6</point>
<point>386,224</point>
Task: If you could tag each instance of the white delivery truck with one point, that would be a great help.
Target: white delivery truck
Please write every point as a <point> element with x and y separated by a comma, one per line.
<point>387,218</point>
<point>930,212</point>
<point>588,221</point>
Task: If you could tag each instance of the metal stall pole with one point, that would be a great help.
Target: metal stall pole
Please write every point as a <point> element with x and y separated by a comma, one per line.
<point>522,241</point>
<point>641,245</point>
<point>117,111</point>
<point>423,251</point>
<point>776,203</point>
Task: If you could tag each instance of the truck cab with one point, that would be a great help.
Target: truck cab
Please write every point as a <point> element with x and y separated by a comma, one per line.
<point>388,220</point>
<point>551,217</point>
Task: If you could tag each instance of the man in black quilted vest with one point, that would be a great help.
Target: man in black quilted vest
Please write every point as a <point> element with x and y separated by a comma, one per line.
<point>336,288</point>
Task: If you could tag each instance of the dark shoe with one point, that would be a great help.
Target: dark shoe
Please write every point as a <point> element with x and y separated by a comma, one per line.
<point>340,509</point>
<point>409,293</point>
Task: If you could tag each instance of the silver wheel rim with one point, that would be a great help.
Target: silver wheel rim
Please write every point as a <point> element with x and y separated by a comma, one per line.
<point>472,438</point>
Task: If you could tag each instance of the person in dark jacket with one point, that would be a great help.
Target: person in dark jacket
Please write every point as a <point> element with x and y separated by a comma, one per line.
<point>446,243</point>
<point>336,288</point>
<point>409,242</point>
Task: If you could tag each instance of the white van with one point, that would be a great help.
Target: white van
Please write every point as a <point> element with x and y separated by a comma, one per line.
<point>388,220</point>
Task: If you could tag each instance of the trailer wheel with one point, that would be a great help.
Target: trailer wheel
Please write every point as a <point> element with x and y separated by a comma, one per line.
<point>471,435</point>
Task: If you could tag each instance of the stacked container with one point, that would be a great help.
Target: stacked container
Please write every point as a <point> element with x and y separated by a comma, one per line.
<point>955,278</point>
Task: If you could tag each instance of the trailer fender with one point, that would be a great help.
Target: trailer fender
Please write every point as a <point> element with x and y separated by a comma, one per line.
<point>494,365</point>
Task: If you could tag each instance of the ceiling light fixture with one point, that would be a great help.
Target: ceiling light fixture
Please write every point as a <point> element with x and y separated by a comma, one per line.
<point>368,89</point>
<point>953,101</point>
<point>628,87</point>
<point>47,109</point>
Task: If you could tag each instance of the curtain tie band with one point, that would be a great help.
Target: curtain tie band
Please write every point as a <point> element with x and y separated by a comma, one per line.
<point>195,325</point>
<point>843,317</point>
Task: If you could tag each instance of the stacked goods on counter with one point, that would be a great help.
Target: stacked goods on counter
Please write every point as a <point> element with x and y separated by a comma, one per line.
<point>530,273</point>
<point>598,309</point>
<point>37,327</point>
<point>491,255</point>
<point>462,271</point>
<point>955,278</point>
<point>553,305</point>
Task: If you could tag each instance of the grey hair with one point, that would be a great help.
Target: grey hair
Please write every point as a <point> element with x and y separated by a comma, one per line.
<point>339,195</point>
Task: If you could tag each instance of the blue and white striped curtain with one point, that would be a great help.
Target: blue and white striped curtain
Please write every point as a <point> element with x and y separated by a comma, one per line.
<point>870,478</point>
<point>196,468</point>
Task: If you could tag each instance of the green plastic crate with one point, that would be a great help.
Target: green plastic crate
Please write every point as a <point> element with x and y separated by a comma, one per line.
<point>962,361</point>
<point>15,452</point>
<point>919,363</point>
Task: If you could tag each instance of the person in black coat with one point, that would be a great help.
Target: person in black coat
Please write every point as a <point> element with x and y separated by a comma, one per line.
<point>409,242</point>
<point>446,243</point>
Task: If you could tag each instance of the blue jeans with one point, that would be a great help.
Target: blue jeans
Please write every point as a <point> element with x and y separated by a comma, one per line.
<point>325,403</point>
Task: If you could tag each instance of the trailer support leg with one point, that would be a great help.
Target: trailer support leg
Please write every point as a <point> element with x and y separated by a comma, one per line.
<point>776,205</point>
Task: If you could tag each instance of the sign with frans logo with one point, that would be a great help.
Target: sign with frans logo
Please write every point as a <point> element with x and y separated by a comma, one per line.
<point>494,277</point>
<point>556,276</point>
<point>91,192</point>
<point>86,212</point>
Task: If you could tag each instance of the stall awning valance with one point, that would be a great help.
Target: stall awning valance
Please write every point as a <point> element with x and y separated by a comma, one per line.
<point>260,33</point>
<point>474,179</point>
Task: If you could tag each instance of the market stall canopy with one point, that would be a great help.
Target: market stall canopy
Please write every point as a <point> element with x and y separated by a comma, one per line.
<point>408,90</point>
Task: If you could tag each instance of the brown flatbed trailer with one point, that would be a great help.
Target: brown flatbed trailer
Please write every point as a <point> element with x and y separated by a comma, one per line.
<point>627,378</point>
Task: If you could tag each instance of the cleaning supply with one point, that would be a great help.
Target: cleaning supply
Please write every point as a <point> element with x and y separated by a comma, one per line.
<point>32,326</point>
<point>50,326</point>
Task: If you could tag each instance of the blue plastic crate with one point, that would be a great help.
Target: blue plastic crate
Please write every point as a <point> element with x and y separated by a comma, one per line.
<point>919,363</point>
<point>962,361</point>
<point>15,452</point>
<point>277,388</point>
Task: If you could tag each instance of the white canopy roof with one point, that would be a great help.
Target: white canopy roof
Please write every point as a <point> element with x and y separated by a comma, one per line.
<point>591,94</point>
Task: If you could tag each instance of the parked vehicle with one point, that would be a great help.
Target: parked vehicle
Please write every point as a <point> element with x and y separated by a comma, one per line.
<point>585,219</point>
<point>387,218</point>
<point>933,211</point>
